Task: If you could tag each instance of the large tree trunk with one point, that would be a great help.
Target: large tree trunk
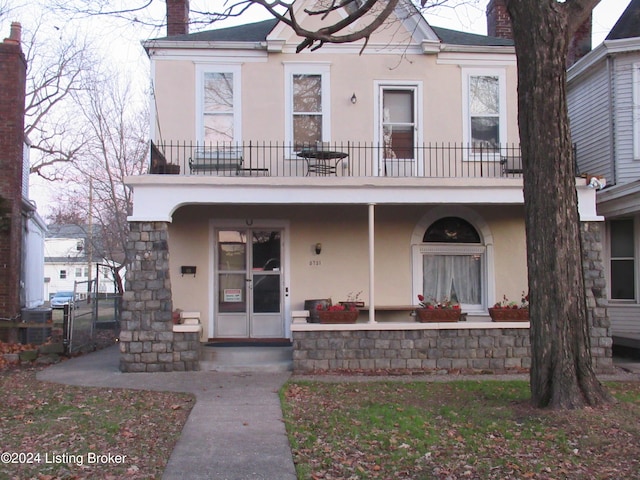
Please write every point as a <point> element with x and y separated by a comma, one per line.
<point>562,375</point>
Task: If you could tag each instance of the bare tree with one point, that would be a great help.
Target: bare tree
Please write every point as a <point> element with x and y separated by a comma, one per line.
<point>115,147</point>
<point>56,65</point>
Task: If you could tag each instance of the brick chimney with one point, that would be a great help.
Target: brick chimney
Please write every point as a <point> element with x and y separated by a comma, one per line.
<point>499,25</point>
<point>177,17</point>
<point>498,20</point>
<point>13,68</point>
<point>580,44</point>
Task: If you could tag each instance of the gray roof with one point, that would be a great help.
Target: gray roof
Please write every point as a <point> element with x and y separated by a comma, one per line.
<point>57,230</point>
<point>454,37</point>
<point>628,25</point>
<point>257,32</point>
<point>251,32</point>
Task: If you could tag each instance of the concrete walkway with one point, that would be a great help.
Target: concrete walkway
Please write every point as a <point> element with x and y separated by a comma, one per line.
<point>234,432</point>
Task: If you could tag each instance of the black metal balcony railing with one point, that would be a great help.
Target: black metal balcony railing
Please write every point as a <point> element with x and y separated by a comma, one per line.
<point>350,159</point>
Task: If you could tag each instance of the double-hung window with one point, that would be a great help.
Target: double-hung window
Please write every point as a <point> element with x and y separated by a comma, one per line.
<point>622,267</point>
<point>484,110</point>
<point>307,102</point>
<point>218,104</point>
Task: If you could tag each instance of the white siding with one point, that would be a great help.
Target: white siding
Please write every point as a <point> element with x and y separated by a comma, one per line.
<point>627,168</point>
<point>624,319</point>
<point>33,267</point>
<point>589,111</point>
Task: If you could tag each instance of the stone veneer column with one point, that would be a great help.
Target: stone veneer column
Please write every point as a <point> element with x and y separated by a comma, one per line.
<point>596,295</point>
<point>147,340</point>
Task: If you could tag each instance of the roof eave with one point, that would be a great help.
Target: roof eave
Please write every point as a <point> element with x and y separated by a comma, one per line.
<point>202,45</point>
<point>504,49</point>
<point>606,48</point>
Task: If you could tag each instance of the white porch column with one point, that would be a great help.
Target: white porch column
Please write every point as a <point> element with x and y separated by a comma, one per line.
<point>372,309</point>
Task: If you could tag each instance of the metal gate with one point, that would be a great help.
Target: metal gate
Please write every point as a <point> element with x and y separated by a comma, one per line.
<point>92,321</point>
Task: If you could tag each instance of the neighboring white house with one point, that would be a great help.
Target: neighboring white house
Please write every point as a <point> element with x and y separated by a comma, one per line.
<point>604,107</point>
<point>32,271</point>
<point>67,264</point>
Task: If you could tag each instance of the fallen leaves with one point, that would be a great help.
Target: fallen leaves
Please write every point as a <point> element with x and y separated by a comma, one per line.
<point>47,418</point>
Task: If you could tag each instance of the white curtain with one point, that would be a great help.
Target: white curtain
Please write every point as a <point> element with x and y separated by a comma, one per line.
<point>453,277</point>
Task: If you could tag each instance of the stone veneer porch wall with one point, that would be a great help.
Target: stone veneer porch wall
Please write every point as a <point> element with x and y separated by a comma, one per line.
<point>147,340</point>
<point>466,346</point>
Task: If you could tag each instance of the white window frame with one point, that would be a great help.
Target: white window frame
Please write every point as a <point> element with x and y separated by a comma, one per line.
<point>636,111</point>
<point>380,86</point>
<point>324,70</point>
<point>455,249</point>
<point>235,70</point>
<point>636,253</point>
<point>467,73</point>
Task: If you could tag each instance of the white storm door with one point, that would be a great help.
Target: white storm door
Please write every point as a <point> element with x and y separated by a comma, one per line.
<point>249,283</point>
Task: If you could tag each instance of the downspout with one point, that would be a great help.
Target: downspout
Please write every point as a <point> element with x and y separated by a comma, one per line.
<point>372,308</point>
<point>612,120</point>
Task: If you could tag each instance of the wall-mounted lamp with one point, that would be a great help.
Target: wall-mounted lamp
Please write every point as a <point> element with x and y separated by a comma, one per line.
<point>188,270</point>
<point>318,248</point>
<point>354,99</point>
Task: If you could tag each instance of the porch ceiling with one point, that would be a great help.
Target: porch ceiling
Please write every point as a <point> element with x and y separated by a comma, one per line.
<point>156,197</point>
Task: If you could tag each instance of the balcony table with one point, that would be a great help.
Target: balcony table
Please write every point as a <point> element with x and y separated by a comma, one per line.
<point>322,162</point>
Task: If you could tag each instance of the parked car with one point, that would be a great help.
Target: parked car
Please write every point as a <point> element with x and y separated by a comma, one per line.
<point>60,299</point>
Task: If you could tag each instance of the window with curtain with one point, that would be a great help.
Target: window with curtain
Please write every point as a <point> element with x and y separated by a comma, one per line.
<point>453,263</point>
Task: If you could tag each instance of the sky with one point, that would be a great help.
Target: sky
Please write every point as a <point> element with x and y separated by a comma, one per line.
<point>119,43</point>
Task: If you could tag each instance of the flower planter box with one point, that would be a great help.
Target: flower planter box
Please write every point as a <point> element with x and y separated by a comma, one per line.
<point>509,314</point>
<point>432,315</point>
<point>344,316</point>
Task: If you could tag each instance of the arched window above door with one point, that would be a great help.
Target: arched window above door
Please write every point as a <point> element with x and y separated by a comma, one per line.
<point>451,230</point>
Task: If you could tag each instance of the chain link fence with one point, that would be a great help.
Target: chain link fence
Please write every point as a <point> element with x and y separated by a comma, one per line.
<point>93,320</point>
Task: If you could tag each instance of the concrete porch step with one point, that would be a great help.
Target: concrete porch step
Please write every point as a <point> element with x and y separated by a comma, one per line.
<point>246,359</point>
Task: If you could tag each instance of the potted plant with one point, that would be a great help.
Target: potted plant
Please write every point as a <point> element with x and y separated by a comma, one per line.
<point>337,313</point>
<point>510,311</point>
<point>353,300</point>
<point>437,311</point>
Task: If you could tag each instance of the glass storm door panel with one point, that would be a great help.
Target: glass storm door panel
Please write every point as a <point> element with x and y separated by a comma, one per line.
<point>266,284</point>
<point>248,284</point>
<point>398,124</point>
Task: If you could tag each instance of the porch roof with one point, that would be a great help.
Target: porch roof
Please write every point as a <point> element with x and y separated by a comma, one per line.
<point>156,197</point>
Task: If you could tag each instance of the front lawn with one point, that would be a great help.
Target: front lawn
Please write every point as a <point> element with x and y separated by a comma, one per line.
<point>50,431</point>
<point>462,429</point>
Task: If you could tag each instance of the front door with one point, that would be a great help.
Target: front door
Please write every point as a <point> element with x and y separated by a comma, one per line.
<point>248,282</point>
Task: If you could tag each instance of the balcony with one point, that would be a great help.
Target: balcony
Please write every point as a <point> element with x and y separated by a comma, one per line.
<point>350,159</point>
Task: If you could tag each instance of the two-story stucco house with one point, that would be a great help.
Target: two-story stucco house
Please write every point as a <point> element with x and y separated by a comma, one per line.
<point>604,95</point>
<point>383,173</point>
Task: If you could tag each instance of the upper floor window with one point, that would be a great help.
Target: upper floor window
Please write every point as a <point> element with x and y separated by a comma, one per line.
<point>484,109</point>
<point>307,104</point>
<point>219,104</point>
<point>63,274</point>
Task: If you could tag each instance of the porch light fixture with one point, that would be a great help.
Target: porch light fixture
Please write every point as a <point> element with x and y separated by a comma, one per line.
<point>354,99</point>
<point>318,248</point>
